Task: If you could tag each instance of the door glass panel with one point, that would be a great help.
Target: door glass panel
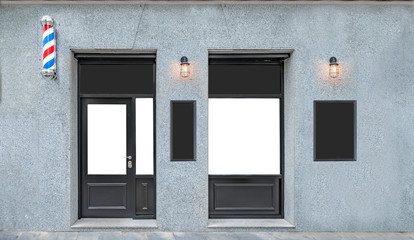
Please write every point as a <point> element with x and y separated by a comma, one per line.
<point>107,139</point>
<point>243,136</point>
<point>144,136</point>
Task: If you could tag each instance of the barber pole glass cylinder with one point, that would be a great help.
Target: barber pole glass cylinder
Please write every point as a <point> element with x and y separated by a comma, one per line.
<point>49,48</point>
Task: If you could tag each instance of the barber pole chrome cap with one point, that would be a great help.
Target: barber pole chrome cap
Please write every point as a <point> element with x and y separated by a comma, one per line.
<point>49,48</point>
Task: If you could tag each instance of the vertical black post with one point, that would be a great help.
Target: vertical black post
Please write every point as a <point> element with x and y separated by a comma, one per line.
<point>183,132</point>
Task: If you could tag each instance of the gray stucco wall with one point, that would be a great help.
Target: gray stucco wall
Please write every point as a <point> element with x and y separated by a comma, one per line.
<point>374,46</point>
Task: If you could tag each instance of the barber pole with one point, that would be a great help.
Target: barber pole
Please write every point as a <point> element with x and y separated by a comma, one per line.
<point>49,48</point>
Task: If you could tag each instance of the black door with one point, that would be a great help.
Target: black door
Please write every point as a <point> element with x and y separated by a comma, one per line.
<point>108,173</point>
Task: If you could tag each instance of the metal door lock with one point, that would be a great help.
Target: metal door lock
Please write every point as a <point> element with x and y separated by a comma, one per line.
<point>128,157</point>
<point>129,164</point>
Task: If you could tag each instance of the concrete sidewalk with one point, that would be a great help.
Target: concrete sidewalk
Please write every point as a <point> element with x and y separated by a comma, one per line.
<point>8,235</point>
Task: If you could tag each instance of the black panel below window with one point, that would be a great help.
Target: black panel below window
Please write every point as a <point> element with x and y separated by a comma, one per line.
<point>145,197</point>
<point>245,196</point>
<point>334,130</point>
<point>107,195</point>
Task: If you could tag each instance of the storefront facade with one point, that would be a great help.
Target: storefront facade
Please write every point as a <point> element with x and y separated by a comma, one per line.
<point>44,123</point>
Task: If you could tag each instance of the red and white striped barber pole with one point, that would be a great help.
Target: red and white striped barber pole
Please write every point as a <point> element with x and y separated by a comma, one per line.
<point>49,48</point>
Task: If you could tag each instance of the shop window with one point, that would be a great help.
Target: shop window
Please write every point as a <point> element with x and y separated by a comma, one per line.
<point>245,145</point>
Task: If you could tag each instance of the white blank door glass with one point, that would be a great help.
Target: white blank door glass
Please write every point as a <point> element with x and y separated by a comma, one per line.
<point>243,136</point>
<point>107,141</point>
<point>144,136</point>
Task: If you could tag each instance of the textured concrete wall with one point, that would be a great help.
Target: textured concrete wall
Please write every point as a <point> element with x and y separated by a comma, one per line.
<point>374,46</point>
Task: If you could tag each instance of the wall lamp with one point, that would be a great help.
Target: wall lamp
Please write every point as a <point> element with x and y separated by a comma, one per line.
<point>185,67</point>
<point>333,68</point>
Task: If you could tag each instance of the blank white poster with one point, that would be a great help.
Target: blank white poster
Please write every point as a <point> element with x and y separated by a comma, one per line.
<point>244,136</point>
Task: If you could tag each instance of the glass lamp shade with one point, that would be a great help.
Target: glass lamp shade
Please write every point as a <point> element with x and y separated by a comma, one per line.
<point>185,70</point>
<point>333,68</point>
<point>185,67</point>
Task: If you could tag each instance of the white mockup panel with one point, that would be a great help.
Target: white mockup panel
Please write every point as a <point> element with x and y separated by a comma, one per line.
<point>107,139</point>
<point>243,136</point>
<point>144,121</point>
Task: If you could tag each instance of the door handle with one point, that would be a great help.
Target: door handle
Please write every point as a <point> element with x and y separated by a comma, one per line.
<point>129,162</point>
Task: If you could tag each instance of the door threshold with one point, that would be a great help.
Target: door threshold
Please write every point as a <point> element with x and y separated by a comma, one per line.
<point>114,223</point>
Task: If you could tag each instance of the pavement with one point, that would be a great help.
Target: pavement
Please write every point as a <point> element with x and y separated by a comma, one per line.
<point>117,235</point>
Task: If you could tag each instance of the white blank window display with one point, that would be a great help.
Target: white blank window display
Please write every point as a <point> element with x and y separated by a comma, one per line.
<point>107,139</point>
<point>144,136</point>
<point>243,136</point>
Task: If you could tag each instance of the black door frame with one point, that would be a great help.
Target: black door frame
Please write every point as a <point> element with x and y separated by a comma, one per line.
<point>148,181</point>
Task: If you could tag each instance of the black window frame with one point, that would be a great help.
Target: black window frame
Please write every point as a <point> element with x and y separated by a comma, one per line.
<point>277,180</point>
